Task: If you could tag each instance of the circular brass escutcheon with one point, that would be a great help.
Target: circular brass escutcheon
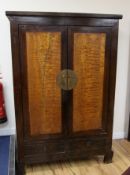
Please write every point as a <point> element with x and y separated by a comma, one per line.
<point>66,79</point>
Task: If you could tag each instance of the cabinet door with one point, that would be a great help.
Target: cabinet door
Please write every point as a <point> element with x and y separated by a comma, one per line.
<point>43,55</point>
<point>89,56</point>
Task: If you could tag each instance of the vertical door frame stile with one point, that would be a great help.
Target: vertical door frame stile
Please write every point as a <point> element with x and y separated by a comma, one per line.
<point>106,80</point>
<point>22,45</point>
<point>70,92</point>
<point>112,78</point>
<point>64,94</point>
<point>17,86</point>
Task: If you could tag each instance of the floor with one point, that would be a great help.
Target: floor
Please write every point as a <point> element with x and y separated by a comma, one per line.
<point>121,161</point>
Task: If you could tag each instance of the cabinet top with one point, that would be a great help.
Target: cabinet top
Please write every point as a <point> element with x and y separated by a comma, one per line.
<point>57,14</point>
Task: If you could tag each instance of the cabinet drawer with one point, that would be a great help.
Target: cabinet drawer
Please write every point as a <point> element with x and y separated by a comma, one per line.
<point>85,145</point>
<point>77,145</point>
<point>43,148</point>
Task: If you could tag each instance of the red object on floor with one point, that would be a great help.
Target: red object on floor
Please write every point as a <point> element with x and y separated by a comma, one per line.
<point>3,117</point>
<point>127,172</point>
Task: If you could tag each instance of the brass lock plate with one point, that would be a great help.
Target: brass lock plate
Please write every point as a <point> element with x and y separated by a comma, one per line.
<point>66,79</point>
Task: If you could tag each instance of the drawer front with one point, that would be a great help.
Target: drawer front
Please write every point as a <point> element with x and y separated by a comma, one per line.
<point>64,150</point>
<point>85,145</point>
<point>44,148</point>
<point>74,145</point>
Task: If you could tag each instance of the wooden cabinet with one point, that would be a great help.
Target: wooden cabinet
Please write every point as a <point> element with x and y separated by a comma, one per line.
<point>64,68</point>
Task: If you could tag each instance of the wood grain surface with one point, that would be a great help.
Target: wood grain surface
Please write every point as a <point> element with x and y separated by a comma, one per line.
<point>43,65</point>
<point>88,63</point>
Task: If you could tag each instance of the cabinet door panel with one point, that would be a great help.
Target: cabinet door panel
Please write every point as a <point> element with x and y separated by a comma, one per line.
<point>42,61</point>
<point>89,60</point>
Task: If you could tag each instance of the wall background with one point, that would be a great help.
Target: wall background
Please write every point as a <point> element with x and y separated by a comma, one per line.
<point>122,96</point>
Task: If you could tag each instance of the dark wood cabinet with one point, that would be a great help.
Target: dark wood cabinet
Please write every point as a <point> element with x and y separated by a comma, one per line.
<point>64,68</point>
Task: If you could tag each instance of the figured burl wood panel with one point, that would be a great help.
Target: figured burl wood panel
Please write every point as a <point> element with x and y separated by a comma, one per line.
<point>43,65</point>
<point>88,63</point>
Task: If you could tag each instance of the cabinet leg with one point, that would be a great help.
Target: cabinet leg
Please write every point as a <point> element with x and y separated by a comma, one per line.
<point>108,157</point>
<point>19,168</point>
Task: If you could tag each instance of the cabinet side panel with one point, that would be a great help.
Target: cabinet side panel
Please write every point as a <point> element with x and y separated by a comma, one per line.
<point>88,63</point>
<point>43,50</point>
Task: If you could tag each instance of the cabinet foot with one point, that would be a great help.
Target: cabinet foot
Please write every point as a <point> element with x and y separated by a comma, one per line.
<point>108,157</point>
<point>19,169</point>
